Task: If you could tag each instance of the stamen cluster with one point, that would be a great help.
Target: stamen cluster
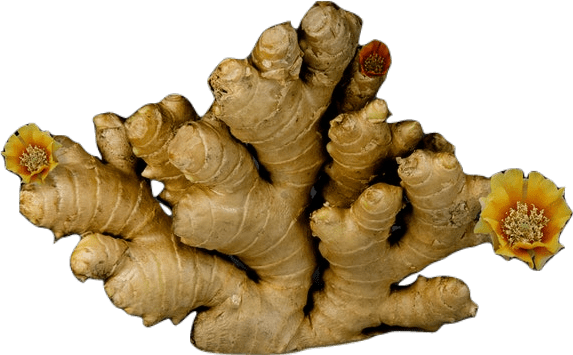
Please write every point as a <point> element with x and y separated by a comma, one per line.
<point>374,63</point>
<point>34,158</point>
<point>524,226</point>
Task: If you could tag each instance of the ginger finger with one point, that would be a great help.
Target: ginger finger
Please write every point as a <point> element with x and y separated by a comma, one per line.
<point>359,84</point>
<point>207,154</point>
<point>436,143</point>
<point>96,256</point>
<point>428,304</point>
<point>146,270</point>
<point>74,199</point>
<point>112,142</point>
<point>279,126</point>
<point>153,126</point>
<point>328,37</point>
<point>265,104</point>
<point>432,181</point>
<point>354,242</point>
<point>149,131</point>
<point>184,274</point>
<point>360,141</point>
<point>445,205</point>
<point>406,136</point>
<point>277,55</point>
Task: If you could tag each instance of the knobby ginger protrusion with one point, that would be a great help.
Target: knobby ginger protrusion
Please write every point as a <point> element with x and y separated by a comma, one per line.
<point>448,301</point>
<point>233,211</point>
<point>359,86</point>
<point>149,131</point>
<point>445,205</point>
<point>279,237</point>
<point>359,142</point>
<point>280,117</point>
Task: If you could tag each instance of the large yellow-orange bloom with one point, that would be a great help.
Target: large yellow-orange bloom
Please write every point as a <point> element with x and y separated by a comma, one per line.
<point>524,216</point>
<point>30,153</point>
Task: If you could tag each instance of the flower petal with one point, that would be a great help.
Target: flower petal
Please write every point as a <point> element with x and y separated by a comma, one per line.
<point>495,226</point>
<point>558,213</point>
<point>13,164</point>
<point>541,191</point>
<point>44,142</point>
<point>14,147</point>
<point>497,206</point>
<point>551,243</point>
<point>527,246</point>
<point>482,227</point>
<point>12,152</point>
<point>511,181</point>
<point>52,147</point>
<point>544,194</point>
<point>507,252</point>
<point>27,132</point>
<point>521,254</point>
<point>542,255</point>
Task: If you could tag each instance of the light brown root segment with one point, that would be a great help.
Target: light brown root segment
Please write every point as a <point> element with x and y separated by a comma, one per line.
<point>297,209</point>
<point>292,75</point>
<point>129,247</point>
<point>149,131</point>
<point>445,300</point>
<point>367,261</point>
<point>359,143</point>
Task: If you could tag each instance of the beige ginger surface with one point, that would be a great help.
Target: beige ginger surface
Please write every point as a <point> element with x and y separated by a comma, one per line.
<point>297,116</point>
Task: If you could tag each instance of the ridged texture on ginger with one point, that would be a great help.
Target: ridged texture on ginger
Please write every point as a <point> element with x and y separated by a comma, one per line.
<point>364,274</point>
<point>444,201</point>
<point>71,202</point>
<point>357,87</point>
<point>354,242</point>
<point>201,279</point>
<point>447,300</point>
<point>279,116</point>
<point>126,236</point>
<point>296,207</point>
<point>359,143</point>
<point>234,211</point>
<point>149,131</point>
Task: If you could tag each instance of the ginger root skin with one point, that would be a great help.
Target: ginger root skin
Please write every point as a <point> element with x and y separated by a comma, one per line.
<point>149,132</point>
<point>292,210</point>
<point>126,237</point>
<point>359,144</point>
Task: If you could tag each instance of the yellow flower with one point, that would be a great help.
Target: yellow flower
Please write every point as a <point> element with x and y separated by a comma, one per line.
<point>30,153</point>
<point>524,217</point>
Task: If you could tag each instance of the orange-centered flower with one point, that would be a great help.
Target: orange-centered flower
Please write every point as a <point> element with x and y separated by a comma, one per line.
<point>30,153</point>
<point>374,59</point>
<point>524,217</point>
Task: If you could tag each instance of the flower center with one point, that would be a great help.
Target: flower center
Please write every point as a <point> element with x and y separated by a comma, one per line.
<point>524,226</point>
<point>34,158</point>
<point>374,64</point>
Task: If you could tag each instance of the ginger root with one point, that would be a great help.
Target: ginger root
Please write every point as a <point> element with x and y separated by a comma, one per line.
<point>296,208</point>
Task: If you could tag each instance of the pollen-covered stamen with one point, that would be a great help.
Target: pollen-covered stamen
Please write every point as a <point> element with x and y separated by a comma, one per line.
<point>374,64</point>
<point>524,226</point>
<point>34,158</point>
